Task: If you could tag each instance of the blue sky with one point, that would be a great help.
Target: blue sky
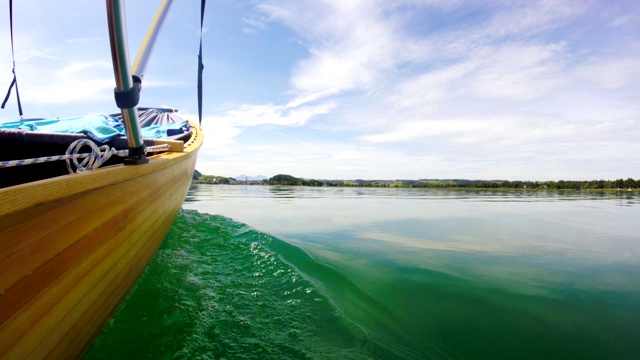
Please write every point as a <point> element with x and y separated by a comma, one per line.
<point>395,89</point>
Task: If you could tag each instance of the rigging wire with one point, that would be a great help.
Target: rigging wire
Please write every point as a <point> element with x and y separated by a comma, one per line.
<point>14,82</point>
<point>200,65</point>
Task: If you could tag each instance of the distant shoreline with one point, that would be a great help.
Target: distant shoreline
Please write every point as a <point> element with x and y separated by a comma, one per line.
<point>450,184</point>
<point>196,182</point>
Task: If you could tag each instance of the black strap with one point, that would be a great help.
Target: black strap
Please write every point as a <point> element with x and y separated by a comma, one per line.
<point>200,65</point>
<point>14,82</point>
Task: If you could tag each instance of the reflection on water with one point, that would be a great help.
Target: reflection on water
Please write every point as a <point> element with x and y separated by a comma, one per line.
<point>462,274</point>
<point>599,226</point>
<point>207,191</point>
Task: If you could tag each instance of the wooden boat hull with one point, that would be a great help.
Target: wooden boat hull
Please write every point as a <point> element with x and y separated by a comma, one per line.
<point>72,247</point>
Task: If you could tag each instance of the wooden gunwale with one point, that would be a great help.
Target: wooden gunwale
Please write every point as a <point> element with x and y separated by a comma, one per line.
<point>37,194</point>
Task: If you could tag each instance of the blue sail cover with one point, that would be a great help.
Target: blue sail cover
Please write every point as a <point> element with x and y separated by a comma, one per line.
<point>154,123</point>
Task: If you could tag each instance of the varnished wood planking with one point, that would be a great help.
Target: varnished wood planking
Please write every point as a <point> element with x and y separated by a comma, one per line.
<point>139,253</point>
<point>44,227</point>
<point>21,229</point>
<point>64,318</point>
<point>18,224</point>
<point>52,238</point>
<point>110,297</point>
<point>48,261</point>
<point>16,235</point>
<point>49,307</point>
<point>59,229</point>
<point>44,325</point>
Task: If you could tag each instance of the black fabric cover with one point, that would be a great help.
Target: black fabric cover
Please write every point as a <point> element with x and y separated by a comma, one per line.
<point>154,116</point>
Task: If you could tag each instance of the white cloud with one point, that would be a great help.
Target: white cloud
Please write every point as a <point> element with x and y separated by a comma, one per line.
<point>501,92</point>
<point>77,68</point>
<point>525,19</point>
<point>610,73</point>
<point>85,40</point>
<point>70,83</point>
<point>517,72</point>
<point>350,45</point>
<point>68,91</point>
<point>253,115</point>
<point>429,128</point>
<point>431,86</point>
<point>220,135</point>
<point>223,130</point>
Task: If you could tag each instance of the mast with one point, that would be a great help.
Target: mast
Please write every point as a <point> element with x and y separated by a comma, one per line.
<point>127,91</point>
<point>144,53</point>
<point>128,82</point>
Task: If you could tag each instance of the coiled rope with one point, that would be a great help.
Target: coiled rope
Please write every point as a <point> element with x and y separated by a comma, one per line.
<point>98,156</point>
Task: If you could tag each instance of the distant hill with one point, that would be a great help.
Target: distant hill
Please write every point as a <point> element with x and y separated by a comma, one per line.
<point>250,178</point>
<point>282,179</point>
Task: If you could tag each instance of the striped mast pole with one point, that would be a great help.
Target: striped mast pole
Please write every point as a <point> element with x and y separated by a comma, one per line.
<point>144,53</point>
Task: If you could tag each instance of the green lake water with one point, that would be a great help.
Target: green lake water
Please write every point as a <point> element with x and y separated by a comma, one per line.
<point>357,273</point>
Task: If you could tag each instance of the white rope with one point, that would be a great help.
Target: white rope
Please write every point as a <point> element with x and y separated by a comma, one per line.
<point>97,157</point>
<point>157,148</point>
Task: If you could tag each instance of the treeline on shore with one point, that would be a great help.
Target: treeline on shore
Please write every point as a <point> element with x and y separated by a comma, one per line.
<point>283,179</point>
<point>200,178</point>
